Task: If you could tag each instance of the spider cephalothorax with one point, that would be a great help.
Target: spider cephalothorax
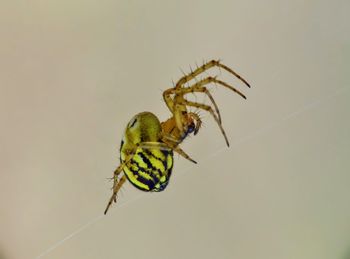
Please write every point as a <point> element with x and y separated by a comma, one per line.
<point>146,152</point>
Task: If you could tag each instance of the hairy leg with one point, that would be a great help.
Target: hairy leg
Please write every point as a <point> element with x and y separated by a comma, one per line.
<point>117,184</point>
<point>116,188</point>
<point>203,68</point>
<point>209,109</point>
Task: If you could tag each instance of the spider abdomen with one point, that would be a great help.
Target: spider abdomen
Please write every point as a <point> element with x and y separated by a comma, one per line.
<point>149,168</point>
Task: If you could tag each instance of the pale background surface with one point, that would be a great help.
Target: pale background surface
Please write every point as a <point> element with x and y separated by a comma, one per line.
<point>72,74</point>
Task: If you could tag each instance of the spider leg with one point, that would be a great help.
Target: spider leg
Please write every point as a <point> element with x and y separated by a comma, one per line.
<point>182,153</point>
<point>204,67</point>
<point>206,81</point>
<point>167,98</point>
<point>209,109</point>
<point>199,88</point>
<point>180,92</point>
<point>157,145</point>
<point>217,63</point>
<point>119,182</point>
<point>214,80</point>
<point>116,188</point>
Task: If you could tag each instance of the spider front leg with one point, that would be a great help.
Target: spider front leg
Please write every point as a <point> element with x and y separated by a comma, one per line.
<point>176,108</point>
<point>209,109</point>
<point>179,102</point>
<point>191,89</point>
<point>203,68</point>
<point>173,103</point>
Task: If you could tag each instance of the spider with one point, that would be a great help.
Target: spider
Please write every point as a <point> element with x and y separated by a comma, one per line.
<point>147,146</point>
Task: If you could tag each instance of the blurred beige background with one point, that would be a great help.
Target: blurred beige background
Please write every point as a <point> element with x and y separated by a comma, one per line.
<point>72,74</point>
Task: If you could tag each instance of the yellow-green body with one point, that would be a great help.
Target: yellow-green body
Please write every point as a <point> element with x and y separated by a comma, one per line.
<point>149,168</point>
<point>146,152</point>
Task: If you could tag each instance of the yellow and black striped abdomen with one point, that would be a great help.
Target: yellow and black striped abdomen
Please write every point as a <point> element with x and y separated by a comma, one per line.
<point>149,169</point>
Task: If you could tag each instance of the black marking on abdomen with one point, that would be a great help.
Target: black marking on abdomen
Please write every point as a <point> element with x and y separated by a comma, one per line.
<point>133,123</point>
<point>163,161</point>
<point>149,182</point>
<point>146,160</point>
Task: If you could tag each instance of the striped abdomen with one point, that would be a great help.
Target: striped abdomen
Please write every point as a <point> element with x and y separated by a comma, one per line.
<point>150,169</point>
